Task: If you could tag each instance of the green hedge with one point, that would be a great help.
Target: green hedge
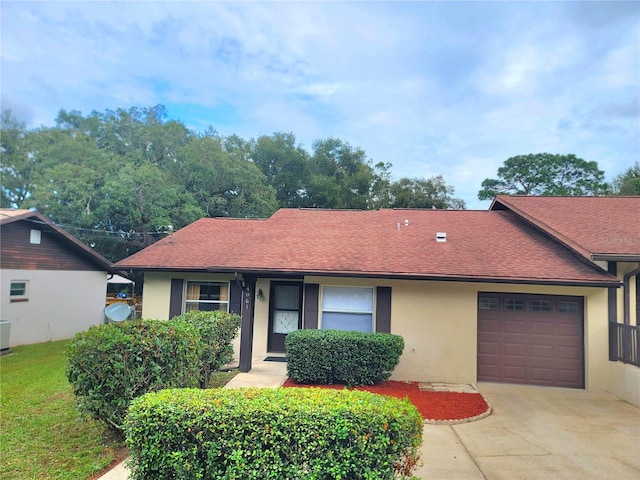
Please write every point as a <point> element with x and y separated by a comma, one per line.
<point>217,329</point>
<point>334,356</point>
<point>109,365</point>
<point>284,433</point>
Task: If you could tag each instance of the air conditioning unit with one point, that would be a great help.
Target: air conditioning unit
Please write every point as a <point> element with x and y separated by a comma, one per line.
<point>5,334</point>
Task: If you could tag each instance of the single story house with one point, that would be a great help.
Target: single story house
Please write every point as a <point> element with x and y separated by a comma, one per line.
<point>497,295</point>
<point>53,286</point>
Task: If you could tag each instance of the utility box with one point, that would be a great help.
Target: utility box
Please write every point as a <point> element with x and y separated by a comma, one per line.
<point>5,334</point>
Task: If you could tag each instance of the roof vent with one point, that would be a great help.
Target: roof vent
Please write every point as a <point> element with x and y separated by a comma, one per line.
<point>441,236</point>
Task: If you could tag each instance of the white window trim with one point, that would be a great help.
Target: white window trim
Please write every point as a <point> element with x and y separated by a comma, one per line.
<point>373,305</point>
<point>185,301</point>
<point>19,298</point>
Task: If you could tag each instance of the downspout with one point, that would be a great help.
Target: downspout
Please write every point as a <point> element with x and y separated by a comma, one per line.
<point>627,293</point>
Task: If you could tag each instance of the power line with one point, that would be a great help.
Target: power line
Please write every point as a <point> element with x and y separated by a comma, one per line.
<point>101,231</point>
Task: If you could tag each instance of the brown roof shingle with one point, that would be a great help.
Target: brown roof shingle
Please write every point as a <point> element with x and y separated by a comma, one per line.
<point>481,245</point>
<point>595,227</point>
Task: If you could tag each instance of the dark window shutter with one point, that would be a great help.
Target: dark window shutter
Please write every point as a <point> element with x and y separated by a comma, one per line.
<point>383,310</point>
<point>235,298</point>
<point>311,295</point>
<point>175,301</point>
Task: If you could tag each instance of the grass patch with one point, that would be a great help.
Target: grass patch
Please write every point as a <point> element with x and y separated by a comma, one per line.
<point>42,435</point>
<point>220,379</point>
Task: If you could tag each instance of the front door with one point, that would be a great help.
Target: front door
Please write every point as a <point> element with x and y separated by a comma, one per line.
<point>285,313</point>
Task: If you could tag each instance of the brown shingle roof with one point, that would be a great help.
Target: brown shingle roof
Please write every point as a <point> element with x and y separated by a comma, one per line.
<point>595,227</point>
<point>491,245</point>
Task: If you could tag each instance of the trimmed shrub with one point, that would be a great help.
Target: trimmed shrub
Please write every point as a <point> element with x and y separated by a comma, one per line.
<point>217,329</point>
<point>335,356</point>
<point>272,434</point>
<point>109,365</point>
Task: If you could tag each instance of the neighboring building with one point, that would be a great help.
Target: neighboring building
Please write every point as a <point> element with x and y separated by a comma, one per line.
<point>52,285</point>
<point>476,295</point>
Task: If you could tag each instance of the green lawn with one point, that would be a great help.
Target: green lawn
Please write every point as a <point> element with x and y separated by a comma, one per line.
<point>42,436</point>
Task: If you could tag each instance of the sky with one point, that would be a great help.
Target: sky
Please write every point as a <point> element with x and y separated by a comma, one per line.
<point>434,88</point>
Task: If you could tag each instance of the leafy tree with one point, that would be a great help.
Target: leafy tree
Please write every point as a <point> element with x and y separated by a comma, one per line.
<point>139,205</point>
<point>545,174</point>
<point>139,134</point>
<point>118,179</point>
<point>69,179</point>
<point>380,193</point>
<point>339,176</point>
<point>628,182</point>
<point>221,184</point>
<point>429,193</point>
<point>18,165</point>
<point>237,147</point>
<point>286,166</point>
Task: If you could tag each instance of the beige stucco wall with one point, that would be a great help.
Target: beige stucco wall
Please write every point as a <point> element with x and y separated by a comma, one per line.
<point>156,295</point>
<point>438,321</point>
<point>625,382</point>
<point>156,290</point>
<point>61,304</point>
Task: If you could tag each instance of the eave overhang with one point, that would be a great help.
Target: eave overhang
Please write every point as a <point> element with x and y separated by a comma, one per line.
<point>611,282</point>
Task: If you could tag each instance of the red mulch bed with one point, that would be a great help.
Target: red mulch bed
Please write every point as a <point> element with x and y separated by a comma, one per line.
<point>432,405</point>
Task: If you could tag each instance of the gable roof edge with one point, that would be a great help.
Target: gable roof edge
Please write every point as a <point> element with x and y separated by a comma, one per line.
<point>540,225</point>
<point>41,219</point>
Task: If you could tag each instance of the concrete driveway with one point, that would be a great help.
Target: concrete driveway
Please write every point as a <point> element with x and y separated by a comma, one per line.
<point>538,433</point>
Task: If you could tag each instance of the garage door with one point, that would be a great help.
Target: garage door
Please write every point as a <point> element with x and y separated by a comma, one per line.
<point>530,339</point>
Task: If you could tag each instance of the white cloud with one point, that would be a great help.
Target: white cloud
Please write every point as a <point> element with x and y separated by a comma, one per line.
<point>453,88</point>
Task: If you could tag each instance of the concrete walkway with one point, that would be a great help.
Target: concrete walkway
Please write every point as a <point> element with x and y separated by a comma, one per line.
<point>534,433</point>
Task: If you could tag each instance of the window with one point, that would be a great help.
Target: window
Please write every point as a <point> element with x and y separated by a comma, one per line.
<point>207,296</point>
<point>488,303</point>
<point>35,237</point>
<point>347,308</point>
<point>19,291</point>
<point>567,307</point>
<point>540,306</point>
<point>513,304</point>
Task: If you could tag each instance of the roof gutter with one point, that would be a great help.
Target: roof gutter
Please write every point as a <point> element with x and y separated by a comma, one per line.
<point>627,293</point>
<point>613,282</point>
<point>616,257</point>
<point>282,273</point>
